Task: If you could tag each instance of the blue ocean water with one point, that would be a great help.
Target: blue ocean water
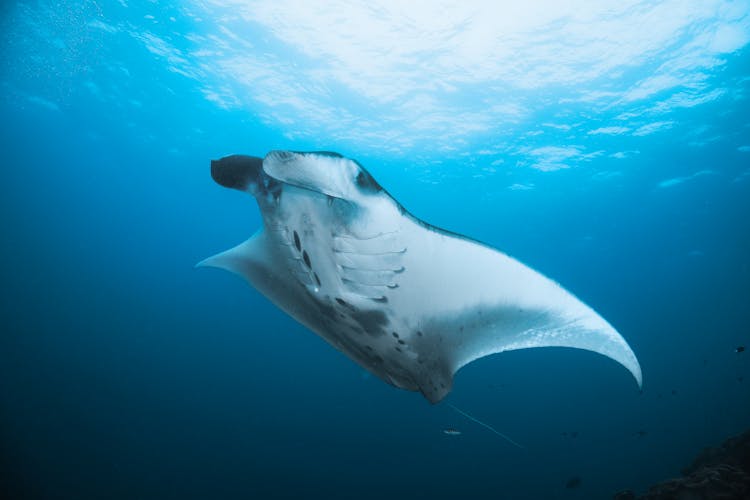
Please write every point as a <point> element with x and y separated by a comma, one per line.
<point>606,145</point>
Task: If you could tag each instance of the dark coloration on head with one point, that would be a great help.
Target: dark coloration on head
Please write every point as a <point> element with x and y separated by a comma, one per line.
<point>366,183</point>
<point>237,171</point>
<point>573,482</point>
<point>245,173</point>
<point>740,348</point>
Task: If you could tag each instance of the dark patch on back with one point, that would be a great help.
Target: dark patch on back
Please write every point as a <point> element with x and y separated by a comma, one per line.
<point>395,335</point>
<point>297,243</point>
<point>317,280</point>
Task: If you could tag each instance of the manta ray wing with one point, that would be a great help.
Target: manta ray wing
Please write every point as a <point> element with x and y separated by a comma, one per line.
<point>409,302</point>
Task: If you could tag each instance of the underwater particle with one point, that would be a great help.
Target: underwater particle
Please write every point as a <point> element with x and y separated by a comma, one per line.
<point>740,348</point>
<point>450,431</point>
<point>674,392</point>
<point>625,495</point>
<point>641,433</point>
<point>573,482</point>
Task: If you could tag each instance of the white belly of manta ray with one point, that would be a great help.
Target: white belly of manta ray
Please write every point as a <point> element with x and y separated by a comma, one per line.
<point>409,302</point>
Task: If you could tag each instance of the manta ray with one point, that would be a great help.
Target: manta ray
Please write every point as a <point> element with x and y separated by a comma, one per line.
<point>409,302</point>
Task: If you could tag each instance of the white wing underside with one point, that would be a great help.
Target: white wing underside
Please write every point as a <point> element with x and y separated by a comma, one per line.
<point>409,302</point>
<point>471,301</point>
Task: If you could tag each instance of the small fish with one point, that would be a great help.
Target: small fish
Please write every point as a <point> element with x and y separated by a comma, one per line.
<point>573,482</point>
<point>451,431</point>
<point>740,348</point>
<point>641,433</point>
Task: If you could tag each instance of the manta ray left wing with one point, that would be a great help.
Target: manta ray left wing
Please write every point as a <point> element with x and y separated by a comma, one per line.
<point>410,302</point>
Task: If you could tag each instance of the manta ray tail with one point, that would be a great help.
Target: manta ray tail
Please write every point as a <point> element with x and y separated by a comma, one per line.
<point>487,426</point>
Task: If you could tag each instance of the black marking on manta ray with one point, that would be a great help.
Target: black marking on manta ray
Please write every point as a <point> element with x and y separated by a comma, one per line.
<point>306,258</point>
<point>373,321</point>
<point>297,243</point>
<point>344,303</point>
<point>367,183</point>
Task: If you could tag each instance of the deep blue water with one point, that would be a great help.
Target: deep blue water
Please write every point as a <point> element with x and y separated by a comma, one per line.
<point>619,169</point>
